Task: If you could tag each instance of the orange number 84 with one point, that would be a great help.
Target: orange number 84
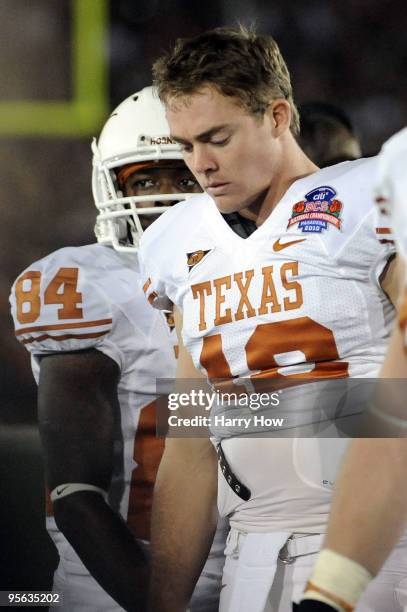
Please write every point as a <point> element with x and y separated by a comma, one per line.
<point>28,297</point>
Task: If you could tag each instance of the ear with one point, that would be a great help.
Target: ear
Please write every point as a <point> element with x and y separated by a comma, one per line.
<point>279,112</point>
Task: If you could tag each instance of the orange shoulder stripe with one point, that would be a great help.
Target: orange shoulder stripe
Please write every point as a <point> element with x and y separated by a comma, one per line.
<point>27,330</point>
<point>65,337</point>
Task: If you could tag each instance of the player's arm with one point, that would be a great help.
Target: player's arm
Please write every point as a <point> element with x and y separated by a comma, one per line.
<point>78,412</point>
<point>184,511</point>
<point>369,492</point>
<point>371,495</point>
<point>393,279</point>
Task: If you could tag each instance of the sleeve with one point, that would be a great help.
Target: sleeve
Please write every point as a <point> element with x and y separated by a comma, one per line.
<point>390,189</point>
<point>385,249</point>
<point>154,287</point>
<point>58,305</point>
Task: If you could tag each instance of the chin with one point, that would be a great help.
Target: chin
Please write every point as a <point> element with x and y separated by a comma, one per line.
<point>226,205</point>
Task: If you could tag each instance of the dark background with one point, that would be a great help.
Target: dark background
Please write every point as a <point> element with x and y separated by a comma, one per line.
<point>350,52</point>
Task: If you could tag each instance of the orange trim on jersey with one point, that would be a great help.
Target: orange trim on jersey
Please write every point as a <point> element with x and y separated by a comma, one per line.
<point>383,230</point>
<point>26,330</point>
<point>152,297</point>
<point>384,241</point>
<point>147,453</point>
<point>146,284</point>
<point>65,337</point>
<point>310,586</point>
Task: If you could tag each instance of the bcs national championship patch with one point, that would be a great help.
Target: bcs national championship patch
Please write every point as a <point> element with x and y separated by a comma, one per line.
<point>317,210</point>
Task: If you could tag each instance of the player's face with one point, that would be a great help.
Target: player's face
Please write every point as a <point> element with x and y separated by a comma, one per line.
<point>232,153</point>
<point>165,177</point>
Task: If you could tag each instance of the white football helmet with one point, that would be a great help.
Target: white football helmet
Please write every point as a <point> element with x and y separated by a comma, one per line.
<point>137,131</point>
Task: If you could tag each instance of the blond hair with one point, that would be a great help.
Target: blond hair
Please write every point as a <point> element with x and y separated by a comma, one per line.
<point>237,61</point>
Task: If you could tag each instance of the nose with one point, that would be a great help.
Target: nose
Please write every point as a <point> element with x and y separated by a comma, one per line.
<point>202,160</point>
<point>166,186</point>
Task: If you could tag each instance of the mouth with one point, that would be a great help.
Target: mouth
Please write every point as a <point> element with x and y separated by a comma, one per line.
<point>216,189</point>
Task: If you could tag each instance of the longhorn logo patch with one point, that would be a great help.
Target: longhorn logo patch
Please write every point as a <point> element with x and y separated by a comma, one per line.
<point>195,258</point>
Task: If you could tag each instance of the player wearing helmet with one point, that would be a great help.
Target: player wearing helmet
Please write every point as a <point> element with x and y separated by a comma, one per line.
<point>138,171</point>
<point>288,289</point>
<point>96,350</point>
<point>375,469</point>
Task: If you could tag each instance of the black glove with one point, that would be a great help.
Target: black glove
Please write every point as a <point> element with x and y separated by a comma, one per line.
<point>311,605</point>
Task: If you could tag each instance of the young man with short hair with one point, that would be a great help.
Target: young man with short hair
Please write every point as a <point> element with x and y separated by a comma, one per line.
<point>288,286</point>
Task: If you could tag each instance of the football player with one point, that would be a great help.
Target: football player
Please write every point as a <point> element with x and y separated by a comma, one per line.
<point>277,273</point>
<point>97,349</point>
<point>371,490</point>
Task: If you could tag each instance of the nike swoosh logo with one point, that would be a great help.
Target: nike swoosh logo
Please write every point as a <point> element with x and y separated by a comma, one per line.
<point>59,491</point>
<point>277,246</point>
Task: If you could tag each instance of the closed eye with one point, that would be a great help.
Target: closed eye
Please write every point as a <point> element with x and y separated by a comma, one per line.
<point>186,148</point>
<point>221,143</point>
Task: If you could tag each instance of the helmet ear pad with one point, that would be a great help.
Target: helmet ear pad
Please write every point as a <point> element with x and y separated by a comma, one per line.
<point>121,229</point>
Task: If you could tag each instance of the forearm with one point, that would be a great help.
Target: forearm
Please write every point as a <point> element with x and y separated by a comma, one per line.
<point>106,547</point>
<point>369,509</point>
<point>183,526</point>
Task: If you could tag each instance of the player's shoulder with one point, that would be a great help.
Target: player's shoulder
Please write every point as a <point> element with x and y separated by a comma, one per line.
<point>337,204</point>
<point>351,174</point>
<point>73,287</point>
<point>349,184</point>
<point>96,262</point>
<point>90,255</point>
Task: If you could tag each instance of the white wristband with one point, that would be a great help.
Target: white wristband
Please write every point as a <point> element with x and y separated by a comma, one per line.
<point>68,488</point>
<point>337,580</point>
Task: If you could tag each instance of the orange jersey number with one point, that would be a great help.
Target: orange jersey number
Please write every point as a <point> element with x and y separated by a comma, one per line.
<point>271,343</point>
<point>61,290</point>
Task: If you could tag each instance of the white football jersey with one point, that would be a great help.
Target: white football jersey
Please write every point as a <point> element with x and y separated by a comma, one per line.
<point>91,297</point>
<point>299,298</point>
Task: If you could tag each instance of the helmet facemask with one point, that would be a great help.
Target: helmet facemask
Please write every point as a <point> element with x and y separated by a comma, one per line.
<point>122,143</point>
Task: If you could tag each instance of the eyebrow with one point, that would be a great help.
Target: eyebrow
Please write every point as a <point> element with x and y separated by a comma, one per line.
<point>203,136</point>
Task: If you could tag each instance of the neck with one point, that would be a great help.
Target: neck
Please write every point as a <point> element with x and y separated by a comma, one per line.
<point>294,165</point>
